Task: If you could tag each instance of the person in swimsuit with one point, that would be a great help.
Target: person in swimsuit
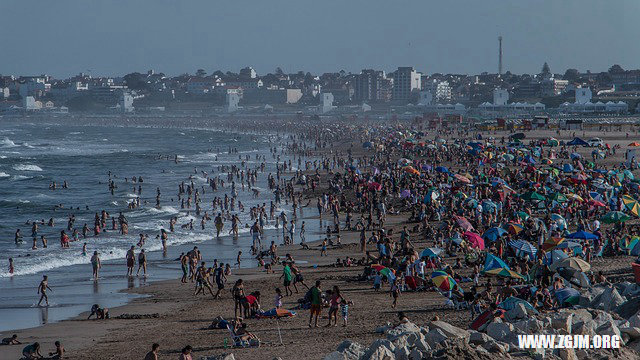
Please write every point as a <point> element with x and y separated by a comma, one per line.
<point>42,289</point>
<point>131,259</point>
<point>238,295</point>
<point>184,264</point>
<point>142,263</point>
<point>11,268</point>
<point>153,354</point>
<point>220,278</point>
<point>95,264</point>
<point>32,351</point>
<point>58,353</point>
<point>11,340</point>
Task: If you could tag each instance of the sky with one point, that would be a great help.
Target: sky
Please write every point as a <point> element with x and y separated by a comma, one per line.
<point>115,37</point>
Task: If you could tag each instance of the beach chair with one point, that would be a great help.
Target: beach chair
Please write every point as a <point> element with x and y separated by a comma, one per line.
<point>236,341</point>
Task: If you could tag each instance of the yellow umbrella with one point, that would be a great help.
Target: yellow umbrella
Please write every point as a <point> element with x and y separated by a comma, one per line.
<point>631,204</point>
<point>504,272</point>
<point>574,197</point>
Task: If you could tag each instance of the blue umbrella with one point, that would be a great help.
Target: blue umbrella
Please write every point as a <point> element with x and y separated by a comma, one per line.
<point>583,235</point>
<point>494,262</point>
<point>565,293</point>
<point>431,252</point>
<point>575,156</point>
<point>493,233</point>
<point>567,168</point>
<point>488,206</point>
<point>442,169</point>
<point>524,246</point>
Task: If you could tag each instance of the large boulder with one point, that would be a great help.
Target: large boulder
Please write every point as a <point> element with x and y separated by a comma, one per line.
<point>496,347</point>
<point>449,330</point>
<point>634,320</point>
<point>500,331</point>
<point>562,322</point>
<point>633,332</point>
<point>478,338</point>
<point>352,350</point>
<point>517,313</point>
<point>402,353</point>
<point>608,300</point>
<point>380,349</point>
<point>631,290</point>
<point>602,317</point>
<point>418,341</point>
<point>567,354</point>
<point>628,308</point>
<point>434,337</point>
<point>402,329</point>
<point>609,329</point>
<point>336,355</point>
<point>416,355</point>
<point>584,328</point>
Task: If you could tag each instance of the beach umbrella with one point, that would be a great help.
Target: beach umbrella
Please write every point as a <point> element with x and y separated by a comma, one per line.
<point>388,273</point>
<point>405,193</point>
<point>493,233</point>
<point>442,169</point>
<point>404,161</point>
<point>524,246</point>
<point>596,203</point>
<point>511,302</point>
<point>575,156</point>
<point>631,244</point>
<point>554,256</point>
<point>507,157</point>
<point>552,142</point>
<point>504,273</point>
<point>571,262</point>
<point>533,196</point>
<point>559,197</point>
<point>574,197</point>
<point>464,223</point>
<point>488,206</point>
<point>474,239</point>
<point>494,262</point>
<point>411,170</point>
<point>523,215</point>
<point>514,229</point>
<point>634,144</point>
<point>378,267</point>
<point>613,217</point>
<point>567,295</point>
<point>552,242</point>
<point>567,168</point>
<point>471,203</point>
<point>631,204</point>
<point>462,178</point>
<point>628,174</point>
<point>568,245</point>
<point>443,282</point>
<point>582,235</point>
<point>431,252</point>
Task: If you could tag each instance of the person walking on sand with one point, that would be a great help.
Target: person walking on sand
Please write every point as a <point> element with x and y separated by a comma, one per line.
<point>220,278</point>
<point>286,274</point>
<point>395,292</point>
<point>239,259</point>
<point>42,290</point>
<point>153,354</point>
<point>316,303</point>
<point>142,263</point>
<point>95,264</point>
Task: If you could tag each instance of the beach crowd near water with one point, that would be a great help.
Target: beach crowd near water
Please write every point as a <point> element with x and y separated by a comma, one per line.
<point>430,243</point>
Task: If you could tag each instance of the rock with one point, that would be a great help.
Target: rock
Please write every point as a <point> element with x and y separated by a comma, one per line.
<point>384,328</point>
<point>634,320</point>
<point>602,318</point>
<point>499,331</point>
<point>517,313</point>
<point>608,300</point>
<point>401,353</point>
<point>478,338</point>
<point>352,350</point>
<point>633,332</point>
<point>380,353</point>
<point>584,328</point>
<point>582,354</point>
<point>435,337</point>
<point>418,341</point>
<point>336,355</point>
<point>581,315</point>
<point>608,329</point>
<point>416,355</point>
<point>631,290</point>
<point>628,308</point>
<point>562,322</point>
<point>220,357</point>
<point>495,347</point>
<point>567,354</point>
<point>449,330</point>
<point>402,329</point>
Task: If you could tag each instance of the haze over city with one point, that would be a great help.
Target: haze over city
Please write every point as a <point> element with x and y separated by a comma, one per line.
<point>63,38</point>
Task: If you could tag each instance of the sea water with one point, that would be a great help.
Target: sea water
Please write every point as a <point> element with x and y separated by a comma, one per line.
<point>35,153</point>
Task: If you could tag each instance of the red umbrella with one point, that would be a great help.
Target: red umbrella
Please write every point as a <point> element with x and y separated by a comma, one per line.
<point>474,239</point>
<point>374,186</point>
<point>593,202</point>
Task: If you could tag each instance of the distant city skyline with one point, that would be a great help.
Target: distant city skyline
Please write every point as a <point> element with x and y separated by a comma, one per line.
<point>65,37</point>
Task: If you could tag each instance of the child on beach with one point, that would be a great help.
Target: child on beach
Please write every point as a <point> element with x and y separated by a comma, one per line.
<point>377,281</point>
<point>278,299</point>
<point>323,251</point>
<point>344,309</point>
<point>395,292</point>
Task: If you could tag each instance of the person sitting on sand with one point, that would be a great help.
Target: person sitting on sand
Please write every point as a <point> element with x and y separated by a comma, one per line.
<point>185,354</point>
<point>58,353</point>
<point>153,354</point>
<point>32,351</point>
<point>13,340</point>
<point>243,334</point>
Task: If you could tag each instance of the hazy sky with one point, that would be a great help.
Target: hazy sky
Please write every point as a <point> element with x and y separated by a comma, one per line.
<point>111,37</point>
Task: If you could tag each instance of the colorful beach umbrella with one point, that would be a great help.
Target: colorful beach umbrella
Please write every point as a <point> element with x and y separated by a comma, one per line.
<point>533,196</point>
<point>551,242</point>
<point>493,233</point>
<point>631,204</point>
<point>514,229</point>
<point>475,240</point>
<point>613,217</point>
<point>443,282</point>
<point>504,273</point>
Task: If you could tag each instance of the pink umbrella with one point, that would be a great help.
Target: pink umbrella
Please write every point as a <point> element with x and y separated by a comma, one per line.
<point>464,223</point>
<point>474,239</point>
<point>462,178</point>
<point>374,186</point>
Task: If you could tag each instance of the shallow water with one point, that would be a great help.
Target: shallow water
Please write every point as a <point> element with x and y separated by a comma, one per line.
<point>32,155</point>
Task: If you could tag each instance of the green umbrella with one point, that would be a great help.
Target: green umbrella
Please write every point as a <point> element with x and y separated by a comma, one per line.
<point>615,217</point>
<point>559,197</point>
<point>533,196</point>
<point>523,215</point>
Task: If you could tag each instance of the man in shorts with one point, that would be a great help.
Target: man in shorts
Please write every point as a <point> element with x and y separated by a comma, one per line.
<point>288,276</point>
<point>316,303</point>
<point>220,278</point>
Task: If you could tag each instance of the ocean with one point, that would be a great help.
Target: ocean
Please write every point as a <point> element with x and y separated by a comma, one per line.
<point>35,153</point>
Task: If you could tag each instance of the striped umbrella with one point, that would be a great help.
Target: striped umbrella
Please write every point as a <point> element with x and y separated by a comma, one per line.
<point>504,273</point>
<point>514,229</point>
<point>443,282</point>
<point>631,204</point>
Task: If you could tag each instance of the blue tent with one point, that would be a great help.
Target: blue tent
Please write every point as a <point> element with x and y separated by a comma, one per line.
<point>584,235</point>
<point>511,302</point>
<point>566,293</point>
<point>578,142</point>
<point>431,252</point>
<point>636,249</point>
<point>494,262</point>
<point>493,233</point>
<point>567,168</point>
<point>554,256</point>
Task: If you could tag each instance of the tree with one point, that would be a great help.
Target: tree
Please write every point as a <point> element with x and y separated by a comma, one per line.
<point>135,81</point>
<point>616,69</point>
<point>546,69</point>
<point>571,75</point>
<point>279,71</point>
<point>201,73</point>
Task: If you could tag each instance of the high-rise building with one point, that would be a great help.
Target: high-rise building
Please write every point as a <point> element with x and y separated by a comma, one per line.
<point>369,86</point>
<point>405,80</point>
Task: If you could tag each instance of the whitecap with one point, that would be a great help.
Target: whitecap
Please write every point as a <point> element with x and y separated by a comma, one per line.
<point>27,167</point>
<point>4,174</point>
<point>6,142</point>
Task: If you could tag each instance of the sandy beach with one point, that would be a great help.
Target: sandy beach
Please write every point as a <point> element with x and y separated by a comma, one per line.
<point>170,315</point>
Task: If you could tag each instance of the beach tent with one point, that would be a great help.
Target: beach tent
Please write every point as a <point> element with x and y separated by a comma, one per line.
<point>511,302</point>
<point>494,262</point>
<point>578,142</point>
<point>431,252</point>
<point>567,295</point>
<point>583,235</point>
